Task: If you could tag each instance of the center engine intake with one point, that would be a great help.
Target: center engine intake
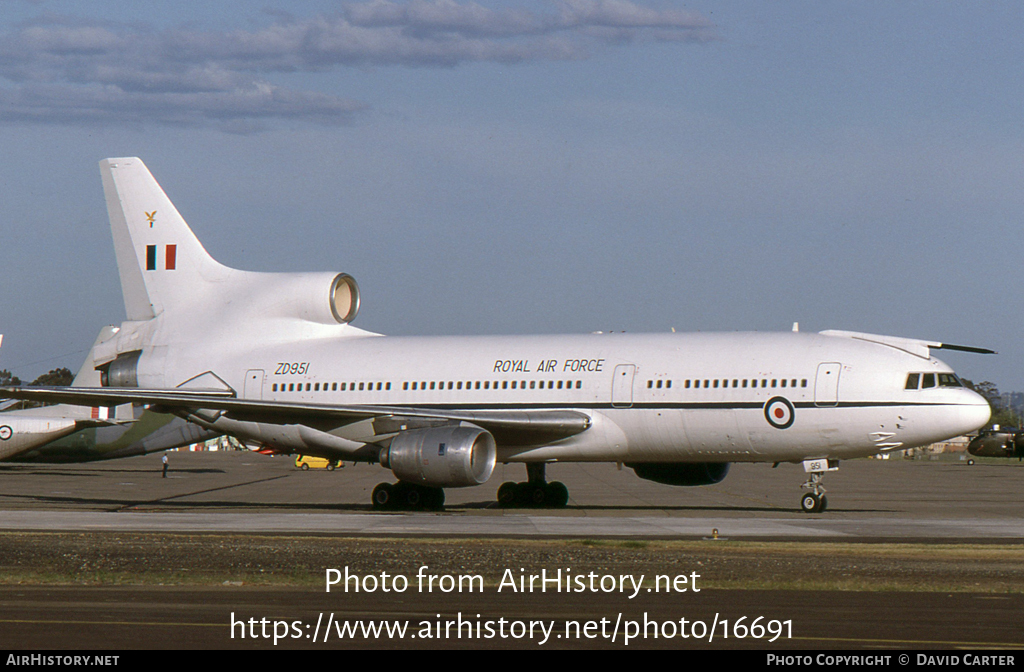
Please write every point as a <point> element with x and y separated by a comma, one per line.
<point>446,457</point>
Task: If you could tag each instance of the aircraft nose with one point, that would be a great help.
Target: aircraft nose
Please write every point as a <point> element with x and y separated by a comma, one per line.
<point>974,412</point>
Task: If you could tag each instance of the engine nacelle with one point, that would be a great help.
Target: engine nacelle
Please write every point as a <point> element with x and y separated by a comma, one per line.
<point>681,473</point>
<point>447,457</point>
<point>317,297</point>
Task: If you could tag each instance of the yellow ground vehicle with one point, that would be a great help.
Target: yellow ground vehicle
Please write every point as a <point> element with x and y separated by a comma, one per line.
<point>307,462</point>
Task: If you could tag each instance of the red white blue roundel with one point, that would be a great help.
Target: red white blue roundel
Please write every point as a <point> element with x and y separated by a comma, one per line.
<point>779,412</point>
<point>5,433</point>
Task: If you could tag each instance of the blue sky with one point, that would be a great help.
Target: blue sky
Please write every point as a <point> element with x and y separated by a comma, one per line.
<point>537,167</point>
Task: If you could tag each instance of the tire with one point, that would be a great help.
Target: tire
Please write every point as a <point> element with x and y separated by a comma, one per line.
<point>383,496</point>
<point>537,493</point>
<point>412,497</point>
<point>557,495</point>
<point>822,504</point>
<point>810,503</point>
<point>507,494</point>
<point>305,467</point>
<point>435,499</point>
<point>330,467</point>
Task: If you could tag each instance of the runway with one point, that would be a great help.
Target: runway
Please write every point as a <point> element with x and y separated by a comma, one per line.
<point>219,492</point>
<point>909,555</point>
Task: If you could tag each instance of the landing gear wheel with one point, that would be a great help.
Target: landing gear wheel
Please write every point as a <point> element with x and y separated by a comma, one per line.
<point>433,499</point>
<point>557,495</point>
<point>383,496</point>
<point>970,462</point>
<point>536,492</point>
<point>411,497</point>
<point>823,504</point>
<point>812,503</point>
<point>507,494</point>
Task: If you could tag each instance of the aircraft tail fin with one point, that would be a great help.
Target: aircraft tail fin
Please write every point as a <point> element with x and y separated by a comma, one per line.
<point>160,260</point>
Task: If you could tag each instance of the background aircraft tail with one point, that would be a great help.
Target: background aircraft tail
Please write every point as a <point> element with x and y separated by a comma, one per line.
<point>160,260</point>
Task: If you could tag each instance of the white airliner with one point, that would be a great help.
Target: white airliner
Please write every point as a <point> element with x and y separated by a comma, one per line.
<point>271,359</point>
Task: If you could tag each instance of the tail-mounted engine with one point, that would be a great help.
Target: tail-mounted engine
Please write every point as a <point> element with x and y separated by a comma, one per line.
<point>446,457</point>
<point>317,297</point>
<point>681,473</point>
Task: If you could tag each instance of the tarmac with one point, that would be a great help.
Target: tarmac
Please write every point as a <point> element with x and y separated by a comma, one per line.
<point>910,555</point>
<point>896,499</point>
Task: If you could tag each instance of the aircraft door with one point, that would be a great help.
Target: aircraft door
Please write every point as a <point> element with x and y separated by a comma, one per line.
<point>622,385</point>
<point>253,384</point>
<point>826,384</point>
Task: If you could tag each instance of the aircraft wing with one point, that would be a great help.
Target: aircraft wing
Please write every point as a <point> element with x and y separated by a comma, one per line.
<point>507,426</point>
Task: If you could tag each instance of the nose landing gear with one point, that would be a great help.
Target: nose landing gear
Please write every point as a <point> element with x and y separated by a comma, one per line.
<point>815,501</point>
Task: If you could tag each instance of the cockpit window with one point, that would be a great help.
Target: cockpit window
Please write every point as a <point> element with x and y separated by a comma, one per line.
<point>928,381</point>
<point>912,380</point>
<point>949,380</point>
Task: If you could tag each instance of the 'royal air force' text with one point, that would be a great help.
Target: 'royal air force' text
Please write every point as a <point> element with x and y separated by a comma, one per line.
<point>548,366</point>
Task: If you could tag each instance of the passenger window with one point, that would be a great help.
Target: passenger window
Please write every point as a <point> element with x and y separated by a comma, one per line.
<point>668,383</point>
<point>686,385</point>
<point>659,384</point>
<point>334,387</point>
<point>579,384</point>
<point>650,384</point>
<point>275,387</point>
<point>928,381</point>
<point>533,384</point>
<point>912,381</point>
<point>458,385</point>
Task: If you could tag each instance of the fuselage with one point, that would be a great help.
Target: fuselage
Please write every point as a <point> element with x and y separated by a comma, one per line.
<point>733,397</point>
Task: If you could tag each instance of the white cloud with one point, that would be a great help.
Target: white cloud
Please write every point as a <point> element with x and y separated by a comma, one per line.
<point>63,70</point>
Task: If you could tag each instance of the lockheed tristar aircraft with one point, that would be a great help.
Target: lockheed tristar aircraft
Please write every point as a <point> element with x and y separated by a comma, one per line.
<point>272,359</point>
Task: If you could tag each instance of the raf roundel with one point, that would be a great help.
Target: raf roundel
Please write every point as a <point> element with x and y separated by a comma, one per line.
<point>779,412</point>
<point>6,432</point>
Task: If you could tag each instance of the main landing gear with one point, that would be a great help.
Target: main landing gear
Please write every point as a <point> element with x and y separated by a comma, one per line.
<point>535,492</point>
<point>815,501</point>
<point>404,496</point>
